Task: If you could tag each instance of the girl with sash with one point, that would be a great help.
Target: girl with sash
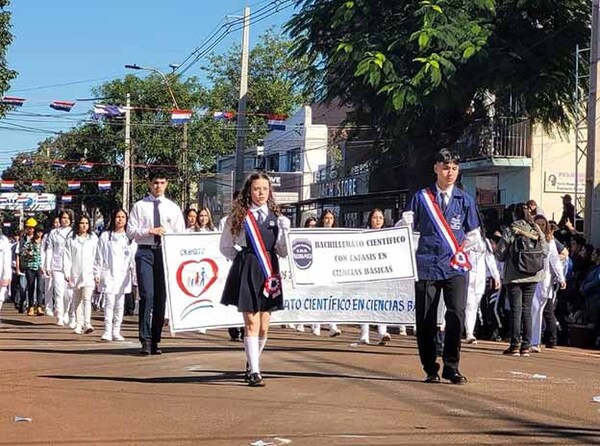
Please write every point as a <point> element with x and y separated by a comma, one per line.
<point>253,236</point>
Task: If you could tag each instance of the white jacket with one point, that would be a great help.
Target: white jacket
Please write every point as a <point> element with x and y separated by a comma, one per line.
<point>554,271</point>
<point>57,240</point>
<point>5,258</point>
<point>78,260</point>
<point>115,263</point>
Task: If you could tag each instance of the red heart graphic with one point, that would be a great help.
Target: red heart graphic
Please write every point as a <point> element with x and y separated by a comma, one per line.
<point>193,282</point>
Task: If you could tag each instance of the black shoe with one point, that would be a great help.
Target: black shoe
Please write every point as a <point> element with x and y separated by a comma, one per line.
<point>154,350</point>
<point>432,378</point>
<point>145,351</point>
<point>255,380</point>
<point>247,373</point>
<point>454,376</point>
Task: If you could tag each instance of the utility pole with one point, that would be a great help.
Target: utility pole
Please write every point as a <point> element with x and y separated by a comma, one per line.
<point>241,113</point>
<point>127,157</point>
<point>592,179</point>
<point>183,170</point>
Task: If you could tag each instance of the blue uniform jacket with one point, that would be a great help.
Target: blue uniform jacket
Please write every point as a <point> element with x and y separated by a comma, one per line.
<point>433,255</point>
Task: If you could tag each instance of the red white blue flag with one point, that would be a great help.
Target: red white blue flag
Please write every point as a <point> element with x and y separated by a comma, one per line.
<point>58,164</point>
<point>12,100</point>
<point>74,185</point>
<point>180,116</point>
<point>104,185</point>
<point>86,167</point>
<point>7,185</point>
<point>65,106</point>
<point>221,115</point>
<point>67,198</point>
<point>37,184</point>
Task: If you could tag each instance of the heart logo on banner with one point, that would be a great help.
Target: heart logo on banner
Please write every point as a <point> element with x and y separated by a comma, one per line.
<point>195,277</point>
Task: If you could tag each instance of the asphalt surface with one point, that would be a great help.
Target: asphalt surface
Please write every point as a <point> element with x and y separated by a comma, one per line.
<point>77,390</point>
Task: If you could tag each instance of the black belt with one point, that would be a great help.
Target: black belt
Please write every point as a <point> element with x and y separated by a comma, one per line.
<point>153,247</point>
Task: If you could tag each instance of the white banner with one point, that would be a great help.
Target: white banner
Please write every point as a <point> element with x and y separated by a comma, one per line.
<point>196,271</point>
<point>27,201</point>
<point>329,256</point>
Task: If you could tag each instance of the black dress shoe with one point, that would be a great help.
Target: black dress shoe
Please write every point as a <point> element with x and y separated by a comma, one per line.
<point>247,373</point>
<point>255,380</point>
<point>432,378</point>
<point>154,350</point>
<point>454,377</point>
<point>145,351</point>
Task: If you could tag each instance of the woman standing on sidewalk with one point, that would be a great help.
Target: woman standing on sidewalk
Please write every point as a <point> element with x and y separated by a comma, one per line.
<point>375,220</point>
<point>80,252</point>
<point>113,272</point>
<point>253,284</point>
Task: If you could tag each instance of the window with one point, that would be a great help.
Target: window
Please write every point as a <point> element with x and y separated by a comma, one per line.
<point>294,160</point>
<point>273,162</point>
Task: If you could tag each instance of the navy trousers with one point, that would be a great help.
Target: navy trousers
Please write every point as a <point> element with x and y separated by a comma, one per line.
<point>152,290</point>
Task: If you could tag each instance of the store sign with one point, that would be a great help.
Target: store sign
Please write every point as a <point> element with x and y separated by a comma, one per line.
<point>27,201</point>
<point>344,187</point>
<point>563,181</point>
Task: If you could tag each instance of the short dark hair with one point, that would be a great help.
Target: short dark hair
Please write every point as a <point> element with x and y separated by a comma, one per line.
<point>447,156</point>
<point>155,173</point>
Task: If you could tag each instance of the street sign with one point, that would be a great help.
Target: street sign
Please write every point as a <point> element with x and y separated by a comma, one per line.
<point>27,201</point>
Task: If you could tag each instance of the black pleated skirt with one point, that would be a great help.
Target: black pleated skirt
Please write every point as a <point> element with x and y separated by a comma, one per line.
<point>245,283</point>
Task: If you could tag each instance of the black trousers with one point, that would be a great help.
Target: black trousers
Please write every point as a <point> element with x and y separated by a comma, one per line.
<point>520,296</point>
<point>427,298</point>
<point>151,286</point>
<point>550,332</point>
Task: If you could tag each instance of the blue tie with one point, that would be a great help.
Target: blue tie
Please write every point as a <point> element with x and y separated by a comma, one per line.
<point>261,218</point>
<point>442,201</point>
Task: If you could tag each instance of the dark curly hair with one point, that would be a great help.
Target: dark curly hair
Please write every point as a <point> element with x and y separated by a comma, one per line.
<point>242,203</point>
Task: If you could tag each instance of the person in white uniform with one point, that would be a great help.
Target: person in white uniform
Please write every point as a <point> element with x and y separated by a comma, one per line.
<point>114,268</point>
<point>375,220</point>
<point>5,267</point>
<point>545,292</point>
<point>78,264</point>
<point>483,265</point>
<point>47,275</point>
<point>57,240</point>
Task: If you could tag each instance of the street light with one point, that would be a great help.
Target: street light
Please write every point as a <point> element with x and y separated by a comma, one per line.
<point>160,73</point>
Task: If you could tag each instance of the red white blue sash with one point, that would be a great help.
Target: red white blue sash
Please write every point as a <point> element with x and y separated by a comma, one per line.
<point>272,285</point>
<point>460,259</point>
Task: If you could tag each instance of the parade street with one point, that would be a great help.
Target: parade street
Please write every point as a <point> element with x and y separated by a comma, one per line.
<point>319,391</point>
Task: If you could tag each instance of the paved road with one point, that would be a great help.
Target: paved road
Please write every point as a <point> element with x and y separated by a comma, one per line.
<point>320,391</point>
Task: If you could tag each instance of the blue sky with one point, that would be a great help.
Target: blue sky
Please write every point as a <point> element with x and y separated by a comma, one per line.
<point>63,48</point>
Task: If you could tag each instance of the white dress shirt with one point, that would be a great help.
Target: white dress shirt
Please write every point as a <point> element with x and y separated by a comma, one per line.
<point>141,219</point>
<point>57,240</point>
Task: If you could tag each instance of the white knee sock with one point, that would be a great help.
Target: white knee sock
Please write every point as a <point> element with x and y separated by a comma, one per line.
<point>252,353</point>
<point>261,345</point>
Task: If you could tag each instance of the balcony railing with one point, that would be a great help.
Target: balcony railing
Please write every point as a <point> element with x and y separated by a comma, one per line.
<point>497,137</point>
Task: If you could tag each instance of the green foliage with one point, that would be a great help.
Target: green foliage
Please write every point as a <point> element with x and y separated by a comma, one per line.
<point>6,74</point>
<point>413,68</point>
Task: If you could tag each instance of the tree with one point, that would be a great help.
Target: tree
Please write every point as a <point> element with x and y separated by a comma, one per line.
<point>414,68</point>
<point>6,74</point>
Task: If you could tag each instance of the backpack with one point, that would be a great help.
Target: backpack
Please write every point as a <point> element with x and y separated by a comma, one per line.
<point>527,251</point>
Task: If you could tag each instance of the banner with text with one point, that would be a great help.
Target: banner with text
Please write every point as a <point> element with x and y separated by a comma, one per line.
<point>329,256</point>
<point>195,273</point>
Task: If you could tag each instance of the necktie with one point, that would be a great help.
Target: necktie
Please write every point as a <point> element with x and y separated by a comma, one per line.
<point>156,221</point>
<point>442,201</point>
<point>261,217</point>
